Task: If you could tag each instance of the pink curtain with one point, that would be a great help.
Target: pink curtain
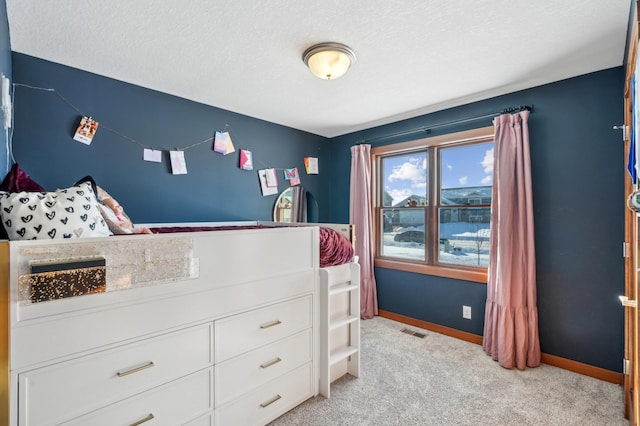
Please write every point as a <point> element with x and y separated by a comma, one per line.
<point>511,315</point>
<point>360,216</point>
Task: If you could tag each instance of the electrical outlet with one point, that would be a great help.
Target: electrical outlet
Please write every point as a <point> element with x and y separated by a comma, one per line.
<point>466,312</point>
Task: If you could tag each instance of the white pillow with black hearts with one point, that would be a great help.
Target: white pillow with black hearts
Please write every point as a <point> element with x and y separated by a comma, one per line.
<point>66,213</point>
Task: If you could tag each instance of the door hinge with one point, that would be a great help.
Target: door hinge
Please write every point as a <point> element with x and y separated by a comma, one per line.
<point>626,252</point>
<point>625,131</point>
<point>626,367</point>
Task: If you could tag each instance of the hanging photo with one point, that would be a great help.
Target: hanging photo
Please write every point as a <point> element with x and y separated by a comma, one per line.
<point>311,165</point>
<point>292,176</point>
<point>272,178</point>
<point>86,130</point>
<point>178,163</point>
<point>222,143</point>
<point>152,155</point>
<point>246,159</point>
<point>266,189</point>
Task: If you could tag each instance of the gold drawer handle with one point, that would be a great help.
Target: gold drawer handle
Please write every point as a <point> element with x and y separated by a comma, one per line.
<point>271,401</point>
<point>135,370</point>
<point>271,324</point>
<point>146,419</point>
<point>270,363</point>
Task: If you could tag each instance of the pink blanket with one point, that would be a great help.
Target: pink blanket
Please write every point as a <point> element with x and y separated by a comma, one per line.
<point>335,248</point>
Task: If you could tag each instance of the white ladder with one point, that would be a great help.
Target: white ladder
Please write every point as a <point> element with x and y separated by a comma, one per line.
<point>339,324</point>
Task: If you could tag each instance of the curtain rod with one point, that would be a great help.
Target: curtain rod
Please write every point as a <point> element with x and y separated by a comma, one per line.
<point>427,129</point>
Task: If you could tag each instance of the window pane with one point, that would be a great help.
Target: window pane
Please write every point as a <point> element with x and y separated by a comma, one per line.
<point>466,175</point>
<point>464,236</point>
<point>404,179</point>
<point>403,231</point>
<point>433,202</point>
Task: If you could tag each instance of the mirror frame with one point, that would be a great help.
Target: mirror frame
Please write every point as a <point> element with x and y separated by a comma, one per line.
<point>295,204</point>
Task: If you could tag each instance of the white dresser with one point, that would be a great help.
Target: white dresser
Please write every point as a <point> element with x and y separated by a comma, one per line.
<point>218,328</point>
<point>263,362</point>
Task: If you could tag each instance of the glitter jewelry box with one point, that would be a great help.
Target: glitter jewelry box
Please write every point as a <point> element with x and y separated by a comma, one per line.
<point>64,278</point>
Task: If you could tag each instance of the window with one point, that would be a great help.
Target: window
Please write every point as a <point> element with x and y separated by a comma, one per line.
<point>432,204</point>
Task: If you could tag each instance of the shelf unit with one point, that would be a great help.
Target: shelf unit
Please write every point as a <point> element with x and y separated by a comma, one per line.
<point>339,324</point>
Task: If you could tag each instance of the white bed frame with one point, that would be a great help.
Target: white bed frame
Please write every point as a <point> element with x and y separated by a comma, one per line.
<point>231,317</point>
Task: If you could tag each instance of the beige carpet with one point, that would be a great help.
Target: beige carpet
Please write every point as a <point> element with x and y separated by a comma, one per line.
<point>439,380</point>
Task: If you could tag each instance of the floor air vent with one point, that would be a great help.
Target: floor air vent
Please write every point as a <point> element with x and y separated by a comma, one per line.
<point>413,333</point>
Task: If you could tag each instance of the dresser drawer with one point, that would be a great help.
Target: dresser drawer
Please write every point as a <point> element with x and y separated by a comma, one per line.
<point>268,401</point>
<point>62,391</point>
<point>175,403</point>
<point>240,333</point>
<point>245,372</point>
<point>206,420</point>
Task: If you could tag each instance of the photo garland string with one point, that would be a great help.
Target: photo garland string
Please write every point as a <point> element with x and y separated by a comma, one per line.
<point>221,140</point>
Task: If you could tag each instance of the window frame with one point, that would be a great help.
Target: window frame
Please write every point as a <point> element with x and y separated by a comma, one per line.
<point>429,266</point>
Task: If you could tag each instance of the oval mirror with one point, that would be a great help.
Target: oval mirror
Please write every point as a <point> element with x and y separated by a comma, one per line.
<point>295,204</point>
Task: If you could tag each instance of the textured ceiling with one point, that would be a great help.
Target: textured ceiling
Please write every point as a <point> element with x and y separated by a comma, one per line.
<point>414,56</point>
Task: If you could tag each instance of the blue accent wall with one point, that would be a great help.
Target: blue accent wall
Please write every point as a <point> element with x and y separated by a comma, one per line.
<point>215,188</point>
<point>5,68</point>
<point>578,193</point>
<point>577,166</point>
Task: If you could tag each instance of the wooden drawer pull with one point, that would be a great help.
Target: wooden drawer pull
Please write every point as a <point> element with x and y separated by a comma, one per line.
<point>270,363</point>
<point>271,324</point>
<point>271,401</point>
<point>135,370</point>
<point>146,419</point>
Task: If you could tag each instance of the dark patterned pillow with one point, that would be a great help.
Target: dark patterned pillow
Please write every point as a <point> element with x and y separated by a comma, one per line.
<point>66,213</point>
<point>15,181</point>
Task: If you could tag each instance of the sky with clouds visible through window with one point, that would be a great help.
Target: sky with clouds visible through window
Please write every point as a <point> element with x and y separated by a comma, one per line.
<point>466,166</point>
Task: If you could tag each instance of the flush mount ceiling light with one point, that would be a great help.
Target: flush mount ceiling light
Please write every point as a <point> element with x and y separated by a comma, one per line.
<point>329,60</point>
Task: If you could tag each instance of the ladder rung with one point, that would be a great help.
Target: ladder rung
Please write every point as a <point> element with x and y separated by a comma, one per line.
<point>343,353</point>
<point>341,288</point>
<point>343,321</point>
